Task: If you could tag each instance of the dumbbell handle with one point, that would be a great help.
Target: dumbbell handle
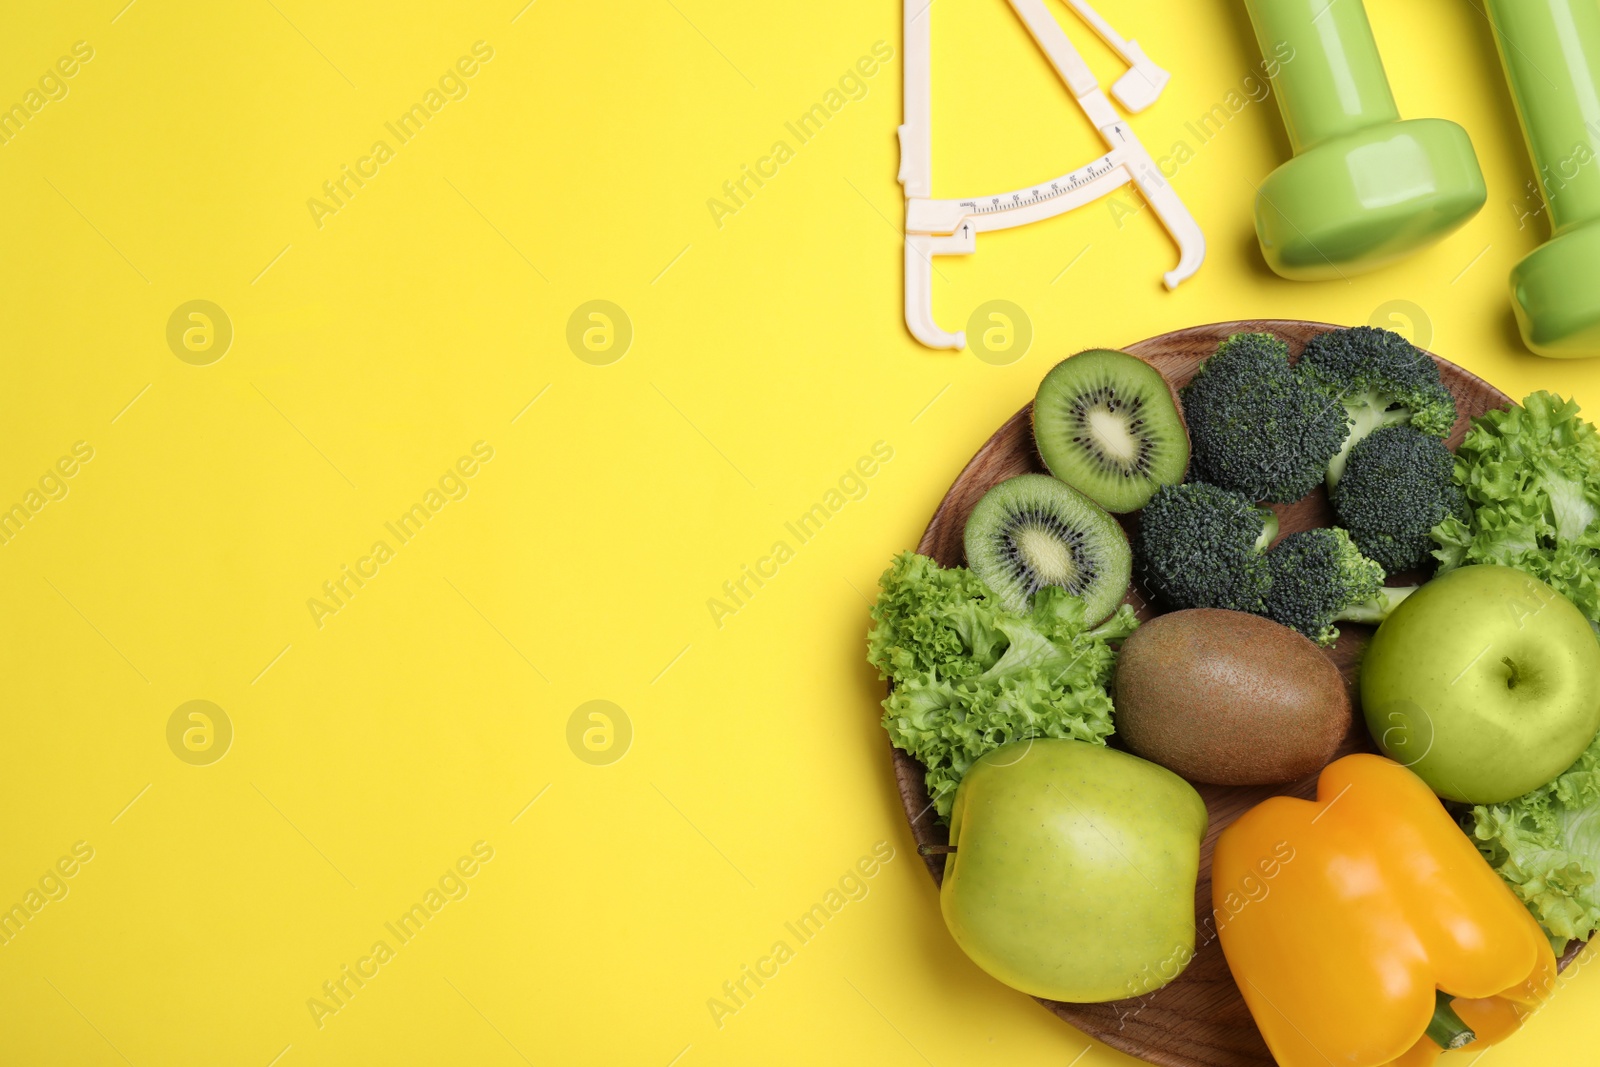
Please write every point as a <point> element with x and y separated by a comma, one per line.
<point>1332,83</point>
<point>1551,53</point>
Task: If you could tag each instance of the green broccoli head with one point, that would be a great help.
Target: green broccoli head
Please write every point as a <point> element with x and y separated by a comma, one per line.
<point>1319,577</point>
<point>1397,486</point>
<point>1258,427</point>
<point>1203,547</point>
<point>1380,379</point>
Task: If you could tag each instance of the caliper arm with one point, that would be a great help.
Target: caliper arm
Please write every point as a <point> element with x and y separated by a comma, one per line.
<point>1160,195</point>
<point>920,250</point>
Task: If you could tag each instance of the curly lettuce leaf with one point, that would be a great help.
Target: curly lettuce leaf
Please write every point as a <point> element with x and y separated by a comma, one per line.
<point>1546,845</point>
<point>1531,475</point>
<point>931,618</point>
<point>970,675</point>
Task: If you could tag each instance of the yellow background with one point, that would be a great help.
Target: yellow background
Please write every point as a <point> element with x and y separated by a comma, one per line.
<point>371,352</point>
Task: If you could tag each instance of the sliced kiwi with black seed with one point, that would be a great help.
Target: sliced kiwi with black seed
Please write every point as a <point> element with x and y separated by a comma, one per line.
<point>1034,530</point>
<point>1106,424</point>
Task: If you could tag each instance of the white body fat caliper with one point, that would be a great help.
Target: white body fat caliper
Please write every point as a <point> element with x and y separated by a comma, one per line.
<point>950,227</point>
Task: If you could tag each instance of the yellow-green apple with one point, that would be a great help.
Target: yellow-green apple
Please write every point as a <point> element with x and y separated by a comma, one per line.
<point>1485,682</point>
<point>1073,870</point>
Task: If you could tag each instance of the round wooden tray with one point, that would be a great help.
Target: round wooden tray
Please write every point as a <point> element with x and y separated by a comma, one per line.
<point>1198,1020</point>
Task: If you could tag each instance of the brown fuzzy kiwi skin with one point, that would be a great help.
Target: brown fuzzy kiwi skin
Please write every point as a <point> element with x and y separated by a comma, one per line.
<point>1228,699</point>
<point>1177,405</point>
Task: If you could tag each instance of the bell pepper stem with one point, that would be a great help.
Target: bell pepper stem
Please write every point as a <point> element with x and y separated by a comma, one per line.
<point>1446,1028</point>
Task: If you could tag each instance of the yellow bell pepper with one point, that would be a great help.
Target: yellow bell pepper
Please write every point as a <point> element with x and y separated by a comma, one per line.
<point>1364,929</point>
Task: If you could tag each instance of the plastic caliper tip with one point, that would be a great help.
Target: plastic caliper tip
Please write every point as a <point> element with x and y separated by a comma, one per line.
<point>1191,254</point>
<point>931,336</point>
<point>1140,86</point>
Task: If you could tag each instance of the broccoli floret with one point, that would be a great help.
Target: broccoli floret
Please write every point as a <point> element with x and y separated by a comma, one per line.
<point>1397,486</point>
<point>1256,426</point>
<point>1319,577</point>
<point>1204,547</point>
<point>1380,379</point>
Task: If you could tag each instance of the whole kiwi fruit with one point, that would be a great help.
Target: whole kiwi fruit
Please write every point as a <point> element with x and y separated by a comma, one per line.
<point>1228,698</point>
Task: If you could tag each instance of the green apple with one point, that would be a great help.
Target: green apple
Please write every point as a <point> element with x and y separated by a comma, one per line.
<point>1073,871</point>
<point>1485,682</point>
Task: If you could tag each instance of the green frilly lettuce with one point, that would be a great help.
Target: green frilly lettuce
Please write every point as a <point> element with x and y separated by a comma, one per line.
<point>1546,845</point>
<point>969,675</point>
<point>1532,477</point>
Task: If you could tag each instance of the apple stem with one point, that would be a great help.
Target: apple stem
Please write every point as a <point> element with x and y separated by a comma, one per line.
<point>1446,1028</point>
<point>936,850</point>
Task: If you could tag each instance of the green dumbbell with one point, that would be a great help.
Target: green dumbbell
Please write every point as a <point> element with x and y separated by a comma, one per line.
<point>1551,53</point>
<point>1364,187</point>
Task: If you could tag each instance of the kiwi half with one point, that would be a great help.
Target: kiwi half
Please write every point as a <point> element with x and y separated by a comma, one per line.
<point>1034,530</point>
<point>1106,424</point>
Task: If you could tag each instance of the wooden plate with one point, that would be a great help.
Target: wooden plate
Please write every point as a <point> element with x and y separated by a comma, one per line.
<point>1198,1020</point>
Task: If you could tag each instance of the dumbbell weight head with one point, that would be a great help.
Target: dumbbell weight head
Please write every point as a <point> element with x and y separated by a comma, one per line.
<point>1359,201</point>
<point>1555,294</point>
